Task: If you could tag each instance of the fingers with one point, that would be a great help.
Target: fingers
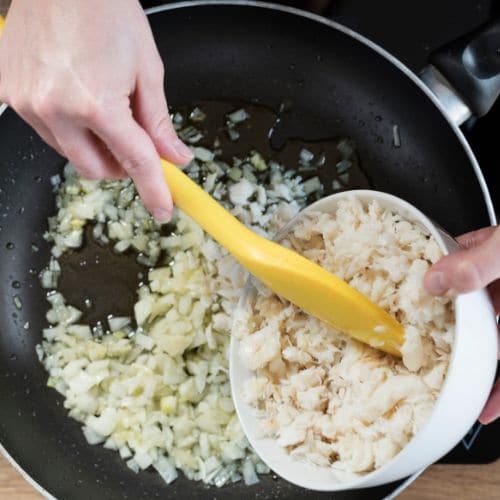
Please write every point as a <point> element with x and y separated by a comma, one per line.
<point>136,153</point>
<point>47,136</point>
<point>41,129</point>
<point>494,291</point>
<point>88,154</point>
<point>467,269</point>
<point>151,112</point>
<point>106,142</point>
<point>492,409</point>
<point>475,238</point>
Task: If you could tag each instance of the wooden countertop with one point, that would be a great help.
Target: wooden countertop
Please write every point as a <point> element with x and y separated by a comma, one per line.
<point>439,482</point>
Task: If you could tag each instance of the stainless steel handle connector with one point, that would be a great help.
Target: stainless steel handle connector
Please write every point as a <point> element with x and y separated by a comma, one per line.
<point>454,105</point>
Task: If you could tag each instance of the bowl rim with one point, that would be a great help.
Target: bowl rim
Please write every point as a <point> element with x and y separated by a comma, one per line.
<point>445,242</point>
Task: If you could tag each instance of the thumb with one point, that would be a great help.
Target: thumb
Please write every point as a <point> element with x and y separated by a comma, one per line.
<point>467,269</point>
<point>151,112</point>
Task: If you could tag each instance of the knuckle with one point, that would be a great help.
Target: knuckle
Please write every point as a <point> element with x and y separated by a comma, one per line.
<point>132,165</point>
<point>163,126</point>
<point>19,103</point>
<point>45,107</point>
<point>91,112</point>
<point>84,110</point>
<point>137,164</point>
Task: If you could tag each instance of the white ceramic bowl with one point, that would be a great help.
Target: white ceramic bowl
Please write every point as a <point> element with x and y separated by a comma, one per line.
<point>465,390</point>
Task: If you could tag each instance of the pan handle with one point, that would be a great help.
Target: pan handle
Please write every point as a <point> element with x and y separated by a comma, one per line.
<point>470,68</point>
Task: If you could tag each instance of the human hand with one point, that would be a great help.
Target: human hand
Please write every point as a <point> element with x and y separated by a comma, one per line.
<point>476,266</point>
<point>88,77</point>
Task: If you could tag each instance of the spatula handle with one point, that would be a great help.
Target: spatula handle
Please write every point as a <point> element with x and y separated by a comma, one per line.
<point>206,211</point>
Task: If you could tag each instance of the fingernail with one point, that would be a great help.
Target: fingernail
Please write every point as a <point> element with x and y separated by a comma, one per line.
<point>486,419</point>
<point>161,215</point>
<point>487,416</point>
<point>182,150</point>
<point>435,284</point>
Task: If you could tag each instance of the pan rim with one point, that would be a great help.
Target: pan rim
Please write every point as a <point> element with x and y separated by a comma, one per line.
<point>27,477</point>
<point>370,44</point>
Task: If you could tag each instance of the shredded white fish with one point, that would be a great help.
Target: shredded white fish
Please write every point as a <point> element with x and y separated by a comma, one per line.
<point>326,398</point>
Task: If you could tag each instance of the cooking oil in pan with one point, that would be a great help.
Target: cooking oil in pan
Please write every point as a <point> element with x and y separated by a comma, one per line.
<point>98,281</point>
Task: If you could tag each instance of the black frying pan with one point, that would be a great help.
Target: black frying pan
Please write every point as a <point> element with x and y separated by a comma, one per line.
<point>337,84</point>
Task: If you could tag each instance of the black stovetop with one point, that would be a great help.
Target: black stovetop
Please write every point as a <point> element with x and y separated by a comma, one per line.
<point>411,30</point>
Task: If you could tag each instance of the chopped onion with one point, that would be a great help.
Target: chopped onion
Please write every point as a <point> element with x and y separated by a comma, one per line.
<point>396,139</point>
<point>240,192</point>
<point>48,279</point>
<point>105,423</point>
<point>191,135</point>
<point>305,155</point>
<point>144,341</point>
<point>125,452</point>
<point>238,116</point>
<point>312,185</point>
<point>321,160</point>
<point>197,115</point>
<point>177,119</point>
<point>249,475</point>
<point>203,154</point>
<point>343,165</point>
<point>17,302</point>
<point>248,174</point>
<point>209,183</point>
<point>132,464</point>
<point>344,178</point>
<point>121,246</point>
<point>80,331</point>
<point>235,174</point>
<point>234,135</point>
<point>91,436</point>
<point>258,162</point>
<point>166,468</point>
<point>118,322</point>
<point>157,390</point>
<point>55,180</point>
<point>346,148</point>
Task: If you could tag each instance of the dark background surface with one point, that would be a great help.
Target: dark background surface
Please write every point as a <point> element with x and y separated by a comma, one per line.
<point>411,30</point>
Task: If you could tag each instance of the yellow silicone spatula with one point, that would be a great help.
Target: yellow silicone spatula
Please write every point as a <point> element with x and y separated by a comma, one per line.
<point>288,274</point>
